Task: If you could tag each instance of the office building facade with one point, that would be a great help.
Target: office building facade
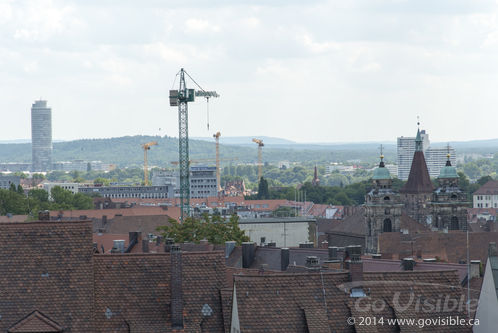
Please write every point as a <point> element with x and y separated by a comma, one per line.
<point>41,136</point>
<point>139,192</point>
<point>435,157</point>
<point>406,149</point>
<point>203,182</point>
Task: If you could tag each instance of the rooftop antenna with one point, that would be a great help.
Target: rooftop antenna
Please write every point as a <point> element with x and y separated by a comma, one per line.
<point>418,122</point>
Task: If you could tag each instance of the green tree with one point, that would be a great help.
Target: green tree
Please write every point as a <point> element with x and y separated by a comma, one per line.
<point>483,180</point>
<point>101,180</point>
<point>263,192</point>
<point>213,228</point>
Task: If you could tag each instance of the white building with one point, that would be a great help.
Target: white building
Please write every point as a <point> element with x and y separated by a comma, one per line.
<point>285,232</point>
<point>487,195</point>
<point>71,187</point>
<point>392,168</point>
<point>435,158</point>
<point>203,182</point>
<point>406,149</point>
<point>163,177</point>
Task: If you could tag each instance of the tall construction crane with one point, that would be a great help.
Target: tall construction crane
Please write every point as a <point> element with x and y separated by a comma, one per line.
<point>216,136</point>
<point>260,144</point>
<point>146,147</point>
<point>181,98</point>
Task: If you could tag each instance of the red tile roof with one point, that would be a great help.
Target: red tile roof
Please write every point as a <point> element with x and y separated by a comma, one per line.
<point>490,188</point>
<point>321,302</point>
<point>49,266</point>
<point>450,247</point>
<point>135,288</point>
<point>13,218</point>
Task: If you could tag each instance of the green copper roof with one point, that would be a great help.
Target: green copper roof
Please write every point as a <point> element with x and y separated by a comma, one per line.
<point>381,173</point>
<point>418,141</point>
<point>448,172</point>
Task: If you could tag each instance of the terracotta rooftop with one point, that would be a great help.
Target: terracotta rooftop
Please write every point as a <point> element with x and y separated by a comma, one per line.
<point>490,188</point>
<point>52,282</point>
<point>321,302</point>
<point>449,247</point>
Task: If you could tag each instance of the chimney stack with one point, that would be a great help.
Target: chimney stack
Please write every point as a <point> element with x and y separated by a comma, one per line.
<point>176,288</point>
<point>248,253</point>
<point>229,247</point>
<point>284,258</point>
<point>145,245</point>
<point>355,263</point>
<point>312,263</point>
<point>475,268</point>
<point>168,244</point>
<point>408,264</point>
<point>44,215</point>
<point>492,251</point>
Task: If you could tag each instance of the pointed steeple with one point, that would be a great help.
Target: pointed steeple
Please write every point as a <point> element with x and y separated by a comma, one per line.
<point>315,181</point>
<point>419,180</point>
<point>418,140</point>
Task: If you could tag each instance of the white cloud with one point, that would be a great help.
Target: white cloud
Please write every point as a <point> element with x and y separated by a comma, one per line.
<point>194,25</point>
<point>356,58</point>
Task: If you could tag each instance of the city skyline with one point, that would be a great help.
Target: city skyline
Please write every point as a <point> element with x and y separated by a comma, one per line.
<point>324,71</point>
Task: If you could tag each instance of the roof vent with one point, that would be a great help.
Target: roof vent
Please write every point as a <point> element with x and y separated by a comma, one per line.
<point>357,292</point>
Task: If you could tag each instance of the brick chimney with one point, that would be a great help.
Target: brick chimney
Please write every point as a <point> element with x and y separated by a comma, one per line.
<point>355,263</point>
<point>176,288</point>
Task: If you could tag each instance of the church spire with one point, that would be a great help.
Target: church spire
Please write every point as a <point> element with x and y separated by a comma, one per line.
<point>315,181</point>
<point>381,164</point>
<point>418,139</point>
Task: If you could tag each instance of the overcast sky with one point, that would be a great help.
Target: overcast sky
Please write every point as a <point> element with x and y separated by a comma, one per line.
<point>309,71</point>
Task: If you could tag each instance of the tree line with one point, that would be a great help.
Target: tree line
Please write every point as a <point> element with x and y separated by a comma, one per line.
<point>15,201</point>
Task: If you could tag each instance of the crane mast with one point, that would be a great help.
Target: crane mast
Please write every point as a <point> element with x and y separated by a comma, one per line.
<point>146,147</point>
<point>180,98</point>
<point>260,144</point>
<point>216,136</point>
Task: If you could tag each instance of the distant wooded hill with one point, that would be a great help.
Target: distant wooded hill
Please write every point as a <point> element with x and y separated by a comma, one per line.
<point>127,152</point>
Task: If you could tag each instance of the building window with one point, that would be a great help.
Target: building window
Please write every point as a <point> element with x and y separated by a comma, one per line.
<point>387,227</point>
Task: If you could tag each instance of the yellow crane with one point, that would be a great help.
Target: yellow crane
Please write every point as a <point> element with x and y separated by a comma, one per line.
<point>216,136</point>
<point>146,147</point>
<point>260,144</point>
